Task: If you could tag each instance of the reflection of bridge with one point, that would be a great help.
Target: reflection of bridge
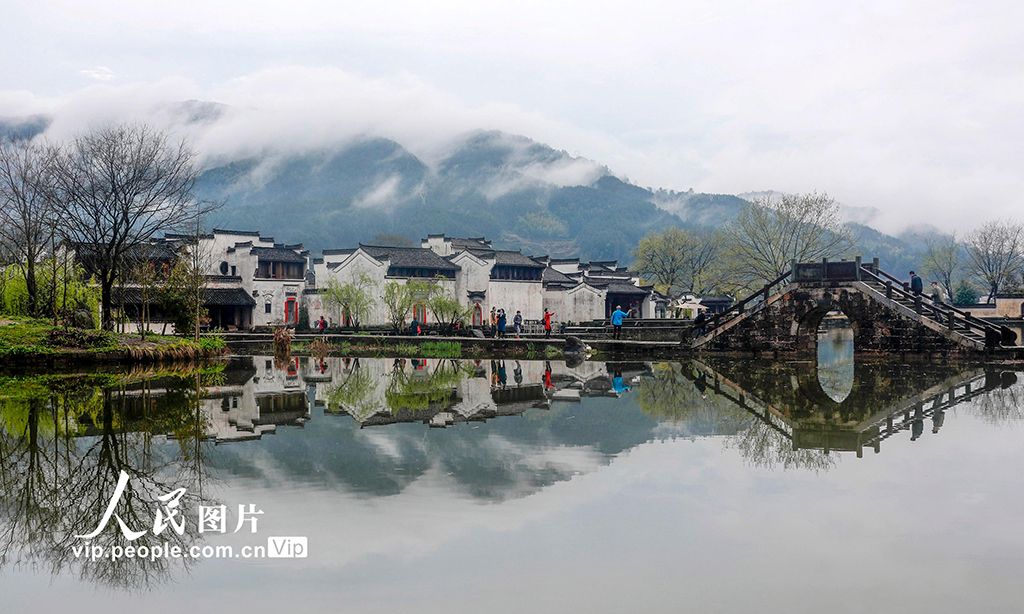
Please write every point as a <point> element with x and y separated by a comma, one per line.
<point>886,316</point>
<point>851,425</point>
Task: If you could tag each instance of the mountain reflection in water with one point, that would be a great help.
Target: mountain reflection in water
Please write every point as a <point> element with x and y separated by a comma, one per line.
<point>492,430</point>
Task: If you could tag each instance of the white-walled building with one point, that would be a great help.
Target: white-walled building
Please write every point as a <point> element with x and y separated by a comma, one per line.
<point>273,274</point>
<point>483,278</point>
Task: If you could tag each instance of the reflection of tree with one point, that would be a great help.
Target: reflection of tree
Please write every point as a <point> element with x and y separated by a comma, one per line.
<point>672,396</point>
<point>682,394</point>
<point>764,446</point>
<point>1003,404</point>
<point>62,455</point>
<point>355,393</point>
<point>419,392</point>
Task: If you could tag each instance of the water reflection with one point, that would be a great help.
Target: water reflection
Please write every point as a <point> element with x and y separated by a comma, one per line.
<point>835,356</point>
<point>486,432</point>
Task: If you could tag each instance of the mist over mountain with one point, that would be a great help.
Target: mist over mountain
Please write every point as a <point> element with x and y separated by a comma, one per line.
<point>520,193</point>
<point>509,188</point>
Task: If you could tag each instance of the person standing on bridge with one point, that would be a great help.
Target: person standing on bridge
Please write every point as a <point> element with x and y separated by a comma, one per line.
<point>938,298</point>
<point>916,283</point>
<point>517,324</point>
<point>547,323</point>
<point>617,316</point>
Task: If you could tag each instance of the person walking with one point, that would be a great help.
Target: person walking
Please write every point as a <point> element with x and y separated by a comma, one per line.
<point>517,324</point>
<point>617,316</point>
<point>938,298</point>
<point>700,323</point>
<point>916,283</point>
<point>547,323</point>
<point>501,323</point>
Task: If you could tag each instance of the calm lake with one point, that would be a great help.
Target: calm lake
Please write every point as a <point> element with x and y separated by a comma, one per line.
<point>516,486</point>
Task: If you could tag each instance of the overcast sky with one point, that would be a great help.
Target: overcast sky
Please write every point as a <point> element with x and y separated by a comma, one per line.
<point>911,107</point>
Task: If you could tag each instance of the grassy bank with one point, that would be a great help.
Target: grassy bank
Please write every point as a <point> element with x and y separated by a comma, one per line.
<point>378,347</point>
<point>25,340</point>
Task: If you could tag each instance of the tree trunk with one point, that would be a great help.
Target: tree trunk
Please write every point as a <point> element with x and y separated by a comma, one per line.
<point>106,285</point>
<point>30,286</point>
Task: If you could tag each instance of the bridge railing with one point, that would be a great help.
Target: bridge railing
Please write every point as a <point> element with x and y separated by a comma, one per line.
<point>740,307</point>
<point>994,335</point>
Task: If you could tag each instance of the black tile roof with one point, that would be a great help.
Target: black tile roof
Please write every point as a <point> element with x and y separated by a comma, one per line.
<point>241,233</point>
<point>553,276</point>
<point>616,287</point>
<point>409,257</point>
<point>509,258</point>
<point>212,297</point>
<point>277,254</point>
<point>339,252</point>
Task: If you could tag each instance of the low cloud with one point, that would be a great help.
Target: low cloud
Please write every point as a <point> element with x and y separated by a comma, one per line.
<point>99,73</point>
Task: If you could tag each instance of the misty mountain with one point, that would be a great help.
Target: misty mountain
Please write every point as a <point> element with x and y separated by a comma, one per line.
<point>23,127</point>
<point>509,188</point>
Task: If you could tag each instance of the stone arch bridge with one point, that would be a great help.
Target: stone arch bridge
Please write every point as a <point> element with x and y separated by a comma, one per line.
<point>886,317</point>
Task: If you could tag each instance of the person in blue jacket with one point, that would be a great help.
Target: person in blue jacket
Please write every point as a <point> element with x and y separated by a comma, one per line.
<point>617,316</point>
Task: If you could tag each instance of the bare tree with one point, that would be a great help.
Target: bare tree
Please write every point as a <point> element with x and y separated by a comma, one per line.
<point>942,258</point>
<point>995,252</point>
<point>117,187</point>
<point>772,232</point>
<point>26,213</point>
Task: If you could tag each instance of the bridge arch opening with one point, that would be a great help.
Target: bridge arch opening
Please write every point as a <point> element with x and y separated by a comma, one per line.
<point>827,333</point>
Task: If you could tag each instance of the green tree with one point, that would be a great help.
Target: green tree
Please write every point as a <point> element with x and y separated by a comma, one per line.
<point>447,310</point>
<point>399,299</point>
<point>965,294</point>
<point>354,299</point>
<point>679,259</point>
<point>26,212</point>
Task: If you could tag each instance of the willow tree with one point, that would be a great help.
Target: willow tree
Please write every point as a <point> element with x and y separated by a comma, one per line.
<point>117,187</point>
<point>773,231</point>
<point>353,298</point>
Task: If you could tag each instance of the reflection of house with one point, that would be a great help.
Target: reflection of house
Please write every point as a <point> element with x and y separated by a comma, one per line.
<point>266,397</point>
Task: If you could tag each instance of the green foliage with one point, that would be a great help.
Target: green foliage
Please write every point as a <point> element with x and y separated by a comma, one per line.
<point>680,259</point>
<point>59,288</point>
<point>541,224</point>
<point>178,295</point>
<point>965,295</point>
<point>448,311</point>
<point>441,349</point>
<point>353,298</point>
<point>78,338</point>
<point>399,299</point>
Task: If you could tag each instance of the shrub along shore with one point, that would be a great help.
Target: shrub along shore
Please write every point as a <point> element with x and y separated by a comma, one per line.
<point>26,341</point>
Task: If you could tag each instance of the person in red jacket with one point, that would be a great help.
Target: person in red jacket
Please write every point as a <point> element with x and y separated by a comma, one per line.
<point>547,323</point>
